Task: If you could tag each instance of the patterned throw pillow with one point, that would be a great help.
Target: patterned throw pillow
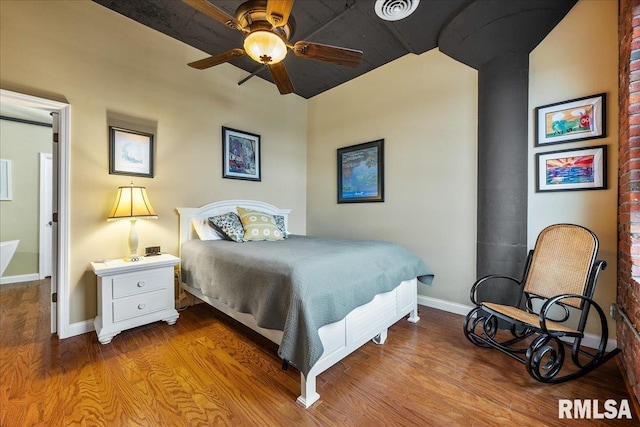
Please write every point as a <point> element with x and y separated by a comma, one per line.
<point>258,225</point>
<point>280,224</point>
<point>229,224</point>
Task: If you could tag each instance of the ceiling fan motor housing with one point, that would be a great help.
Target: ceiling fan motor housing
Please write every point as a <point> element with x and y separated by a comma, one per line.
<point>252,16</point>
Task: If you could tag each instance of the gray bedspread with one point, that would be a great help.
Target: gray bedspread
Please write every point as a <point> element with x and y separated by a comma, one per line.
<point>299,284</point>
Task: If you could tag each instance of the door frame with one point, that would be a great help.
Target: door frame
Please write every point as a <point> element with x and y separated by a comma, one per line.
<point>59,316</point>
<point>43,250</point>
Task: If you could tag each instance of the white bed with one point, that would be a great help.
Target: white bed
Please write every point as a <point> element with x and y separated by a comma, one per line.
<point>339,339</point>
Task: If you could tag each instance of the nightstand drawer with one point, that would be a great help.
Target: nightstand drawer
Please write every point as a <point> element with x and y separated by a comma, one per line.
<point>127,308</point>
<point>140,282</point>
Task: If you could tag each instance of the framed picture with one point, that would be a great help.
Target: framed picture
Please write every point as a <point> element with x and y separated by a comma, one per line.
<point>130,152</point>
<point>5,180</point>
<point>576,169</point>
<point>361,173</point>
<point>573,120</point>
<point>240,155</point>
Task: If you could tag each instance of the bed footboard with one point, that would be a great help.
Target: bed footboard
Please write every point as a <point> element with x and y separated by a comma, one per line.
<point>367,322</point>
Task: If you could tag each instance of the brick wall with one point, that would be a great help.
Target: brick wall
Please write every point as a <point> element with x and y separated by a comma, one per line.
<point>629,187</point>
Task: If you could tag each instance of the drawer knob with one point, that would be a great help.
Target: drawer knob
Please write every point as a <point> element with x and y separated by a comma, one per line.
<point>141,284</point>
<point>140,306</point>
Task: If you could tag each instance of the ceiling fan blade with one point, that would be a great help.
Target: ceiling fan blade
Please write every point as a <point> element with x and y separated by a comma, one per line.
<point>281,77</point>
<point>213,12</point>
<point>217,59</point>
<point>278,11</point>
<point>327,53</point>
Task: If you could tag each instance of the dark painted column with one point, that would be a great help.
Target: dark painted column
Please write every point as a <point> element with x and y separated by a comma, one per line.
<point>503,86</point>
<point>495,37</point>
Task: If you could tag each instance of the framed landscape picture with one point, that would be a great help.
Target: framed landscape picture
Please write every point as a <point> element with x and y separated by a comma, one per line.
<point>130,152</point>
<point>361,173</point>
<point>576,169</point>
<point>573,120</point>
<point>240,155</point>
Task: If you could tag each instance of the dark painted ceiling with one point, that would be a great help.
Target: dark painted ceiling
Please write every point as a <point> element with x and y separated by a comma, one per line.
<point>469,31</point>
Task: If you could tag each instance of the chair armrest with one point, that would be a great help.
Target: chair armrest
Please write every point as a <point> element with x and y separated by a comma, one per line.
<point>483,280</point>
<point>544,310</point>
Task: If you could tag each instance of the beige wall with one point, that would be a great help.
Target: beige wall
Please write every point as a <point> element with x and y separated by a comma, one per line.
<point>425,108</point>
<point>105,65</point>
<point>580,58</point>
<point>22,144</point>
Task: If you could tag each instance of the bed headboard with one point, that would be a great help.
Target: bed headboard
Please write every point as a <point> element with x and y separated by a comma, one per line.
<point>218,208</point>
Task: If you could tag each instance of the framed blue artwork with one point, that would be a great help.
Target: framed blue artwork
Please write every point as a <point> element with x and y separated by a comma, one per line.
<point>361,173</point>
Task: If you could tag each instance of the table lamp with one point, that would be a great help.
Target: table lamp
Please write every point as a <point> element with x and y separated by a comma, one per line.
<point>132,203</point>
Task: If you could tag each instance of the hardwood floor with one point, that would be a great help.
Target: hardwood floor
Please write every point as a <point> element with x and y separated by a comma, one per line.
<point>208,370</point>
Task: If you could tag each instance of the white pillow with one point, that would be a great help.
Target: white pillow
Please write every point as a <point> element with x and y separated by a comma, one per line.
<point>204,230</point>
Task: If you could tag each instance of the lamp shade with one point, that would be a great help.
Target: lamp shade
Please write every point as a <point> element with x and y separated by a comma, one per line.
<point>132,202</point>
<point>265,47</point>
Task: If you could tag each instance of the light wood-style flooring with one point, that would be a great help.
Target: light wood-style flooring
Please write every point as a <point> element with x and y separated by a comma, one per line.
<point>208,370</point>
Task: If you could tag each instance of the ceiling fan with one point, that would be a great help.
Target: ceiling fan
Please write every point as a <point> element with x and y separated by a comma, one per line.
<point>267,26</point>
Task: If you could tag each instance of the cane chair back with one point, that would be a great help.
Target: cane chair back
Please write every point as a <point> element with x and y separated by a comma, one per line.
<point>561,263</point>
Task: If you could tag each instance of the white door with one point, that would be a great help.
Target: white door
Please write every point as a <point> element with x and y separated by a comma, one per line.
<point>46,215</point>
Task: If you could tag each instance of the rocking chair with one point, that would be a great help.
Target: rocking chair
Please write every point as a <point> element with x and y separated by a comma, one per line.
<point>556,298</point>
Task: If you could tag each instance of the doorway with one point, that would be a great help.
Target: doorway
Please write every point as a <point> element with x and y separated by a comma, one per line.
<point>60,203</point>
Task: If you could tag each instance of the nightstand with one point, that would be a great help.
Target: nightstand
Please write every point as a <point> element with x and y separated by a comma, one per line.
<point>132,294</point>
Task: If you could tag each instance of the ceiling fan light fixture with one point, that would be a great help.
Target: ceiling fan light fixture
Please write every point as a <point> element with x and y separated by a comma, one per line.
<point>265,47</point>
<point>395,10</point>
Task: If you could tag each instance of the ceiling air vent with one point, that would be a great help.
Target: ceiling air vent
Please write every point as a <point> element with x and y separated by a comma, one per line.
<point>395,10</point>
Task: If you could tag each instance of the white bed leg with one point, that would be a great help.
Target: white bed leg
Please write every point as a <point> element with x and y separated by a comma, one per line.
<point>308,395</point>
<point>381,337</point>
<point>413,316</point>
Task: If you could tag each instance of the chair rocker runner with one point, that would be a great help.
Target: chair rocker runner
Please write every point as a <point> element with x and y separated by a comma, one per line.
<point>556,298</point>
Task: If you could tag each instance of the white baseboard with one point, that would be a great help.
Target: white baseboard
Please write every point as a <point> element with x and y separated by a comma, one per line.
<point>448,306</point>
<point>589,340</point>
<point>6,280</point>
<point>80,328</point>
